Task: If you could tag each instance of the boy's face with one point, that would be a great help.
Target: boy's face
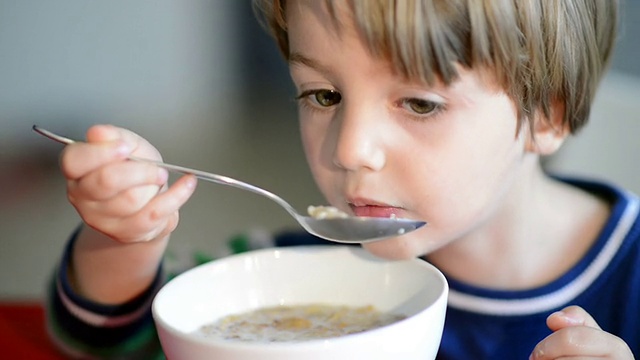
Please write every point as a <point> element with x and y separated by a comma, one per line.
<point>378,144</point>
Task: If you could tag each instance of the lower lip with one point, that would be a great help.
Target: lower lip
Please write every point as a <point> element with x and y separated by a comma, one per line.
<point>375,211</point>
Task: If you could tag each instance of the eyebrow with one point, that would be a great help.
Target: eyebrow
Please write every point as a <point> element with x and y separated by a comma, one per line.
<point>296,58</point>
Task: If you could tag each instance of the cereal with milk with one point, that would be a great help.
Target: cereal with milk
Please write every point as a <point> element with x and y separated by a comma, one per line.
<point>298,323</point>
<point>326,212</point>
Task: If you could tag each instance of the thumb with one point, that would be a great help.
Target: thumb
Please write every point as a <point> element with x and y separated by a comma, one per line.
<point>571,316</point>
<point>103,133</point>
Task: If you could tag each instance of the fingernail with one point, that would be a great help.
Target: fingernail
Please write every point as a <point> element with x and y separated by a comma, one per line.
<point>123,149</point>
<point>571,320</point>
<point>537,353</point>
<point>163,175</point>
<point>191,182</point>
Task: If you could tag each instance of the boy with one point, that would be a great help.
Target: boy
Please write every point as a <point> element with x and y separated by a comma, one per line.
<point>435,110</point>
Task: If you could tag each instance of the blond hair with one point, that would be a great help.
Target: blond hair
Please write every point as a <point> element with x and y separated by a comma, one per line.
<point>540,51</point>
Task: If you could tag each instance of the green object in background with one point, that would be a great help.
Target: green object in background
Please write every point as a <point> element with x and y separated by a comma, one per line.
<point>239,244</point>
<point>201,257</point>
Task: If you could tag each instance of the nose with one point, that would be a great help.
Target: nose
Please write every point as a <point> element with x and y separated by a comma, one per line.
<point>360,140</point>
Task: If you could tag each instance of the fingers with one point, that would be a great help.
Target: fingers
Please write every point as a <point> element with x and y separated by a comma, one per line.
<point>105,133</point>
<point>79,159</point>
<point>577,334</point>
<point>105,144</point>
<point>155,219</point>
<point>570,342</point>
<point>110,180</point>
<point>118,197</point>
<point>571,316</point>
<point>109,133</point>
<point>160,216</point>
<point>583,342</point>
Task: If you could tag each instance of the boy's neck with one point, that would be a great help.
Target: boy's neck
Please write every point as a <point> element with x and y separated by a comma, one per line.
<point>544,229</point>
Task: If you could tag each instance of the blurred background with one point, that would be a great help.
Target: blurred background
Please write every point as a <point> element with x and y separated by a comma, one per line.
<point>203,82</point>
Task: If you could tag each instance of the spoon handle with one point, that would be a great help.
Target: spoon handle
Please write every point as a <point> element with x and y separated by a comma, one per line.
<point>215,178</point>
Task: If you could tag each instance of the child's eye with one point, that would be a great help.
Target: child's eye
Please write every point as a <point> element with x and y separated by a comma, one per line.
<point>322,97</point>
<point>421,106</point>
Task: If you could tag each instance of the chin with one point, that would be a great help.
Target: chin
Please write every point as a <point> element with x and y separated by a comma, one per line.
<point>400,248</point>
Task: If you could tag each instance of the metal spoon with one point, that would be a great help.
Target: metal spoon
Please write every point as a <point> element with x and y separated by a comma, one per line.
<point>343,230</point>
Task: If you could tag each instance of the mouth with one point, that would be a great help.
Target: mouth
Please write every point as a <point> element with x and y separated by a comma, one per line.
<point>370,208</point>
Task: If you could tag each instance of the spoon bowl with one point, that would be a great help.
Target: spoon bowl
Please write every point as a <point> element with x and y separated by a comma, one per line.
<point>354,229</point>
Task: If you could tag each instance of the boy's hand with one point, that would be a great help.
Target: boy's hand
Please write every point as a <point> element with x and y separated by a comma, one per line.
<point>126,200</point>
<point>577,335</point>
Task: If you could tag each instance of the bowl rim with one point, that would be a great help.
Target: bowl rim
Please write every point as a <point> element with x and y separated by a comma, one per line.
<point>303,344</point>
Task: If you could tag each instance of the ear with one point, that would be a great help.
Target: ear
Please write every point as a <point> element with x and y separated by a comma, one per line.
<point>547,133</point>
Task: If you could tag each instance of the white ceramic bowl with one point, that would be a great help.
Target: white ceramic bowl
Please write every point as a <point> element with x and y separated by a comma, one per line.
<point>340,275</point>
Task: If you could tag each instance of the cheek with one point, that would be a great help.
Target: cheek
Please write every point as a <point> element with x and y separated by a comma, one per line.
<point>312,142</point>
<point>466,177</point>
<point>481,189</point>
<point>308,142</point>
<point>317,155</point>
